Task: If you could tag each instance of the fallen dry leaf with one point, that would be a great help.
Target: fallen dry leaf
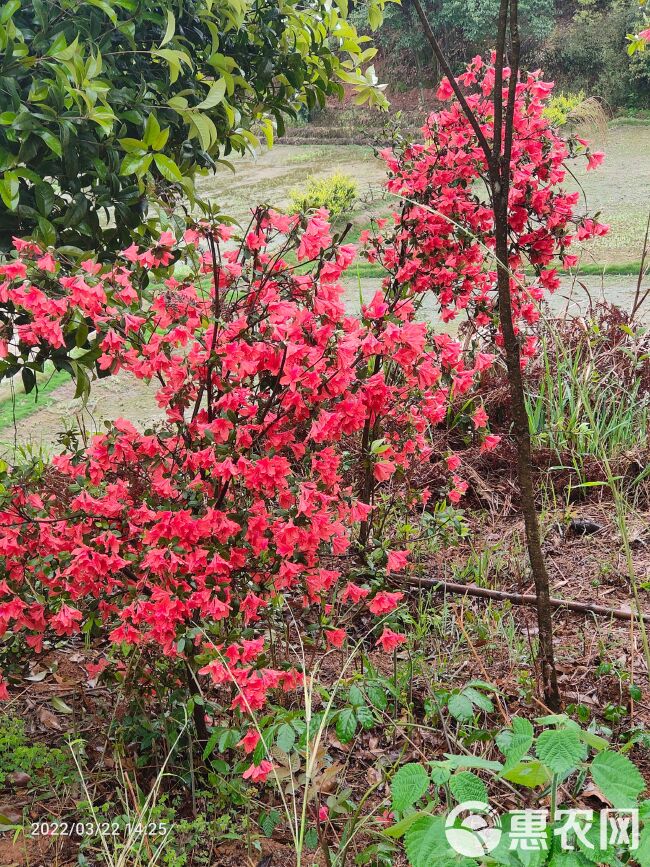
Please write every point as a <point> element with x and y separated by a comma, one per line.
<point>49,720</point>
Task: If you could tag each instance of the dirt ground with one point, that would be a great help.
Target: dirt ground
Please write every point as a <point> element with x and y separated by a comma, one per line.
<point>619,189</point>
<point>115,396</point>
<point>597,659</point>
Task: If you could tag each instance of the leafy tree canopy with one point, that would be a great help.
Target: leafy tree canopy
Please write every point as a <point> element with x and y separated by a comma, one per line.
<point>108,104</point>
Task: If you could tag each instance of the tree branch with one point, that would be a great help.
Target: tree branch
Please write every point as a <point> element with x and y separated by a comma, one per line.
<point>438,585</point>
<point>498,80</point>
<point>460,96</point>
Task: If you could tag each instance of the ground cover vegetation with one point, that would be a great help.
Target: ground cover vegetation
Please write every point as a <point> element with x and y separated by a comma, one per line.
<point>283,624</point>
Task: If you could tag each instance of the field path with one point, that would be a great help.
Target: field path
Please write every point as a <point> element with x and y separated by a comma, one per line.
<point>116,396</point>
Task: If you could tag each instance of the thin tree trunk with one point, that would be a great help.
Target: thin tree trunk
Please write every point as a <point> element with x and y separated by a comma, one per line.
<point>521,428</point>
<point>498,162</point>
<point>198,711</point>
<point>521,432</point>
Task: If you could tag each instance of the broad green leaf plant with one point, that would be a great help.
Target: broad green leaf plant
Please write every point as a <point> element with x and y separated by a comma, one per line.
<point>563,768</point>
<point>108,105</point>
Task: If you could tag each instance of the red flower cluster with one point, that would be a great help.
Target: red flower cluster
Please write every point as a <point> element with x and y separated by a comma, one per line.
<point>245,494</point>
<point>252,490</point>
<point>443,238</point>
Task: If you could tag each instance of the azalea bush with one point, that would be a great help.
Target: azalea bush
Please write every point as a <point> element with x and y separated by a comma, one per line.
<point>241,508</point>
<point>443,238</point>
<point>261,511</point>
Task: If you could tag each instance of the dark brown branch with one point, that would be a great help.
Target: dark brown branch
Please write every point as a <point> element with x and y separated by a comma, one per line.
<point>512,89</point>
<point>438,585</point>
<point>500,190</point>
<point>460,96</point>
<point>498,80</point>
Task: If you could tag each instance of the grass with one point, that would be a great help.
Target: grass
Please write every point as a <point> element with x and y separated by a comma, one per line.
<point>20,405</point>
<point>586,400</point>
<point>619,190</point>
<point>624,269</point>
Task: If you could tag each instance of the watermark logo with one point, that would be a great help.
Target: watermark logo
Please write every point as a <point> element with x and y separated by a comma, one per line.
<point>473,829</point>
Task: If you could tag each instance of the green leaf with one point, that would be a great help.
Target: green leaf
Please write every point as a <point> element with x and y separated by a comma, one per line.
<point>168,168</point>
<point>377,696</point>
<point>356,696</point>
<point>520,743</point>
<point>151,129</point>
<point>211,744</point>
<point>440,773</point>
<point>592,849</point>
<point>460,707</point>
<point>29,379</point>
<point>7,824</point>
<point>106,8</point>
<point>509,851</point>
<point>477,698</point>
<point>267,129</point>
<point>83,383</point>
<point>130,145</point>
<point>77,210</point>
<point>311,839</point>
<point>103,117</point>
<point>8,10</point>
<point>472,762</point>
<point>58,704</point>
<point>136,164</point>
<point>161,139</point>
<point>269,821</point>
<point>426,844</point>
<point>375,16</point>
<point>81,335</point>
<point>642,853</point>
<point>174,59</point>
<point>69,51</point>
<point>286,738</point>
<point>466,786</point>
<point>52,141</point>
<point>568,859</point>
<point>594,741</point>
<point>10,190</point>
<point>424,840</point>
<point>617,778</point>
<point>46,232</point>
<point>44,198</point>
<point>529,774</point>
<point>346,725</point>
<point>171,28</point>
<point>205,129</point>
<point>560,749</point>
<point>228,739</point>
<point>400,828</point>
<point>408,785</point>
<point>215,95</point>
<point>365,717</point>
